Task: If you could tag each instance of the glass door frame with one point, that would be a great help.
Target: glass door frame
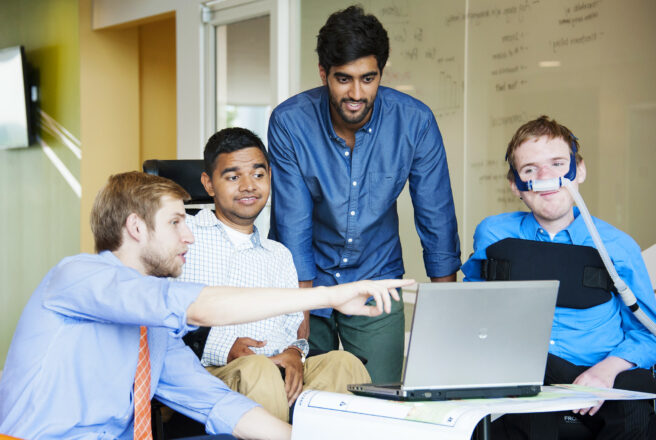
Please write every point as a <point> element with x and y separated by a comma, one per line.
<point>283,23</point>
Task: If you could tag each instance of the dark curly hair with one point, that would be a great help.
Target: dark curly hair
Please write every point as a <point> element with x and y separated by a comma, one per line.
<point>350,34</point>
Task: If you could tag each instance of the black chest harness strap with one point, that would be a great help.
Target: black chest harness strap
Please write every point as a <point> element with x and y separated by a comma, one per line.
<point>584,281</point>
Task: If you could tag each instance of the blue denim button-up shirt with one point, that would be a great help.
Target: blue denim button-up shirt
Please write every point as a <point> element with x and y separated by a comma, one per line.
<point>335,209</point>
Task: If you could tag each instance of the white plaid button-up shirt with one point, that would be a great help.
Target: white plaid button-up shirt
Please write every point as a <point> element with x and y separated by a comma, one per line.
<point>214,260</point>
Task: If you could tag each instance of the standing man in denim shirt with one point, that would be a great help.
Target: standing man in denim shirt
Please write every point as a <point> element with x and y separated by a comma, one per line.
<point>340,156</point>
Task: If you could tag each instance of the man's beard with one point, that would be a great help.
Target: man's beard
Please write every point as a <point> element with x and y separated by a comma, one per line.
<point>348,118</point>
<point>157,265</point>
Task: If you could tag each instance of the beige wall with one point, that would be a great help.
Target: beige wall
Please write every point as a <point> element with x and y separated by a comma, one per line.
<point>157,78</point>
<point>190,95</point>
<point>109,108</point>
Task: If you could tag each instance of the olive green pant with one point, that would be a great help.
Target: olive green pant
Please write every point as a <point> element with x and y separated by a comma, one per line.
<point>259,379</point>
<point>379,340</point>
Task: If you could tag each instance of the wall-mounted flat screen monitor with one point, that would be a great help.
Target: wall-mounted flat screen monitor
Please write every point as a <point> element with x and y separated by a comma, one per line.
<point>15,123</point>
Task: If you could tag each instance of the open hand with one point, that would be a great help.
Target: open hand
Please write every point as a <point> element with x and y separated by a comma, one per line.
<point>601,375</point>
<point>350,298</point>
<point>290,360</point>
<point>242,347</point>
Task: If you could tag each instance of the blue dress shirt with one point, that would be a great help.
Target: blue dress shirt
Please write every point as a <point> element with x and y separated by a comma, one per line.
<point>71,364</point>
<point>584,336</point>
<point>335,209</point>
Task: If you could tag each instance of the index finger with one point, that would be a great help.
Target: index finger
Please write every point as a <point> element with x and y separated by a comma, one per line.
<point>394,283</point>
<point>391,286</point>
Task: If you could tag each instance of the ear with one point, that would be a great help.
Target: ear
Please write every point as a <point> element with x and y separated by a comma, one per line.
<point>136,227</point>
<point>207,183</point>
<point>323,75</point>
<point>581,172</point>
<point>513,188</point>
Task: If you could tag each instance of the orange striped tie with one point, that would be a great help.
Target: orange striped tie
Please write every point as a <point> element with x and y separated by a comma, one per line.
<point>142,427</point>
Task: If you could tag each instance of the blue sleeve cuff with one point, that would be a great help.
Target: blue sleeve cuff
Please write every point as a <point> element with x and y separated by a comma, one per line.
<point>627,356</point>
<point>225,414</point>
<point>634,354</point>
<point>441,264</point>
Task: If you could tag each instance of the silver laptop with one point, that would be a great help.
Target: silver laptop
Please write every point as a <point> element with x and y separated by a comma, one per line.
<point>482,339</point>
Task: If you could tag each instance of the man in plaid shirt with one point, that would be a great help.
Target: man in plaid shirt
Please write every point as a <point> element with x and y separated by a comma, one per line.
<point>229,251</point>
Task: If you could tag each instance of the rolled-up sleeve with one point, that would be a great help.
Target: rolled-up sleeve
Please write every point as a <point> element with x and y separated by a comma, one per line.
<point>435,218</point>
<point>291,202</point>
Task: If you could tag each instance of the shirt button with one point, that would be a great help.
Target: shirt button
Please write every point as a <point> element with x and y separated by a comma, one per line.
<point>370,130</point>
<point>337,275</point>
<point>355,183</point>
<point>346,153</point>
<point>552,342</point>
<point>350,240</point>
<point>352,212</point>
<point>345,260</point>
<point>541,231</point>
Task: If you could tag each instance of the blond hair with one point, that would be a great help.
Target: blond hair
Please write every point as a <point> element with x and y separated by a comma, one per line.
<point>124,194</point>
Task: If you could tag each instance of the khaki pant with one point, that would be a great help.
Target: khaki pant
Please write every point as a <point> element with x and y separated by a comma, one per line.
<point>259,379</point>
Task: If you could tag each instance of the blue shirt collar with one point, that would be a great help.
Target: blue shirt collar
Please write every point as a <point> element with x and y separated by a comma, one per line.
<point>576,232</point>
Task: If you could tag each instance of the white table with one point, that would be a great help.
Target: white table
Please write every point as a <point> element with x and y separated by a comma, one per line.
<point>323,415</point>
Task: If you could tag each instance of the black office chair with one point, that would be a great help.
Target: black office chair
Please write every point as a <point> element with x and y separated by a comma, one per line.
<point>184,172</point>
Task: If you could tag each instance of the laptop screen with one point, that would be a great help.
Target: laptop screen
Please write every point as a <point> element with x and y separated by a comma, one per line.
<point>480,334</point>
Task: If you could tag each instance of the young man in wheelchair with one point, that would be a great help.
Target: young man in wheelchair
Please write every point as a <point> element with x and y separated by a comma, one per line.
<point>596,339</point>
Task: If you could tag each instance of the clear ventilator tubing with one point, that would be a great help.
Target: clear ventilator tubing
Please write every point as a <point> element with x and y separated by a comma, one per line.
<point>625,292</point>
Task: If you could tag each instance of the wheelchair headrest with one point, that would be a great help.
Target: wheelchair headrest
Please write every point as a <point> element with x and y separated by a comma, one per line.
<point>184,172</point>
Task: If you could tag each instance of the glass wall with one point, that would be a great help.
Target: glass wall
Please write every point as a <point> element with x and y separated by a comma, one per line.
<point>485,67</point>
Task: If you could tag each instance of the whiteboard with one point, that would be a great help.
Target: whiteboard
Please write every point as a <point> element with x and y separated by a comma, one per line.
<point>485,67</point>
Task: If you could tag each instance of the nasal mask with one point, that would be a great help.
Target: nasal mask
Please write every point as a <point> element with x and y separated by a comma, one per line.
<point>554,184</point>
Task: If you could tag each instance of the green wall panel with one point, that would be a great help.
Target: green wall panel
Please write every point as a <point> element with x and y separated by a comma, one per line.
<point>39,212</point>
